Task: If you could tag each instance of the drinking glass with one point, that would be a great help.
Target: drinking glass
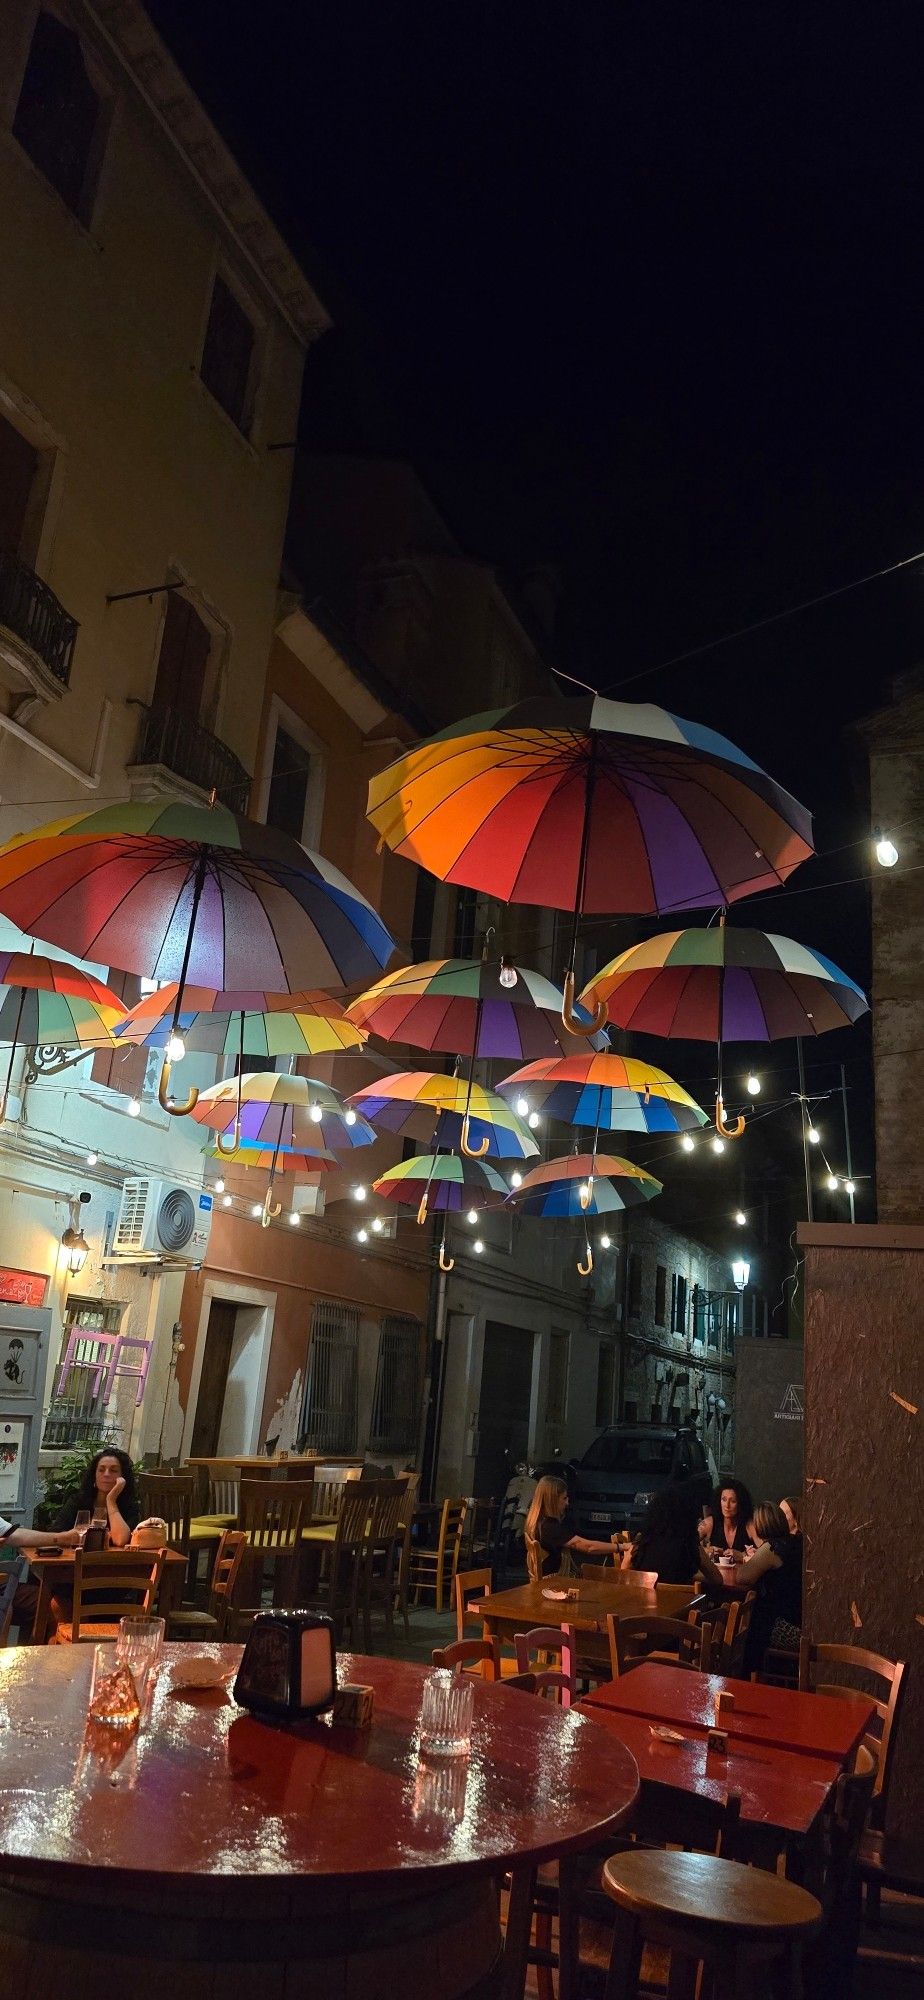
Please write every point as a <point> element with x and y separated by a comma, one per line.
<point>82,1522</point>
<point>446,1714</point>
<point>139,1647</point>
<point>113,1692</point>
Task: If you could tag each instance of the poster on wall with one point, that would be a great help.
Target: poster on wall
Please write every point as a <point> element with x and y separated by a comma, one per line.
<point>11,1446</point>
<point>17,1364</point>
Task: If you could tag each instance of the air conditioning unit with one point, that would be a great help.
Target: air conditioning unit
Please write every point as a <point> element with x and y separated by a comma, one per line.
<point>164,1220</point>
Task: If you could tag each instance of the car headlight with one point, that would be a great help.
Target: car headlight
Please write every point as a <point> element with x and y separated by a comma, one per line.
<point>642,1499</point>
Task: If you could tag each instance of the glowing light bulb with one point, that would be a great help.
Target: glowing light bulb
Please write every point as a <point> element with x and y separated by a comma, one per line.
<point>362,1235</point>
<point>257,1209</point>
<point>349,1116</point>
<point>832,1183</point>
<point>472,1216</point>
<point>583,1192</point>
<point>522,1107</point>
<point>226,1201</point>
<point>605,1242</point>
<point>533,1120</point>
<point>294,1217</point>
<point>886,851</point>
<point>740,1217</point>
<point>134,1107</point>
<point>478,1246</point>
<point>176,1047</point>
<point>219,1187</point>
<point>687,1143</point>
<point>508,974</point>
<point>378,1225</point>
<point>813,1136</point>
<point>516,1178</point>
<point>359,1193</point>
<point>753,1085</point>
<point>315,1113</point>
<point>92,1159</point>
<point>850,1187</point>
<point>718,1145</point>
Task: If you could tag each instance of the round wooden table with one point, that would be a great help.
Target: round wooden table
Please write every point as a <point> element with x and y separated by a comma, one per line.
<point>226,1856</point>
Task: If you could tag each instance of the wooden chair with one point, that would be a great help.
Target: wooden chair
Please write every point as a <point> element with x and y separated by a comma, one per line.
<point>469,1583</point>
<point>130,1579</point>
<point>672,1641</point>
<point>328,1487</point>
<point>645,1578</point>
<point>12,1578</point>
<point>730,1646</point>
<point>550,1641</point>
<point>224,1492</point>
<point>436,1569</point>
<point>342,1593</point>
<point>481,1656</point>
<point>830,1963</point>
<point>735,1921</point>
<point>217,1622</point>
<point>504,1536</point>
<point>271,1517</point>
<point>169,1496</point>
<point>525,1682</point>
<point>815,1663</point>
<point>403,1578</point>
<point>386,1498</point>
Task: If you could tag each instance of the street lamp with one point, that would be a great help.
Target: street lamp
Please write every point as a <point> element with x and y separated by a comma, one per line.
<point>741,1271</point>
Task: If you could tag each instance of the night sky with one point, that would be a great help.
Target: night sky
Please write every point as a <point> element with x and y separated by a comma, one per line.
<point>638,288</point>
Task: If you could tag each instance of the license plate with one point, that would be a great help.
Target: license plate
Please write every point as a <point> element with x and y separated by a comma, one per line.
<point>601,1517</point>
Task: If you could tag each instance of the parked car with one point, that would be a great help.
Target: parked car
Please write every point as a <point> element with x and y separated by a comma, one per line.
<point>624,1468</point>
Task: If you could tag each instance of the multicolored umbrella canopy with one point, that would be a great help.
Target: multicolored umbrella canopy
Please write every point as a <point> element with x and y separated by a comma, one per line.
<point>590,805</point>
<point>555,1188</point>
<point>278,1160</point>
<point>45,1002</point>
<point>466,1007</point>
<point>605,1093</point>
<point>276,1112</point>
<point>725,984</point>
<point>447,1110</point>
<point>192,893</point>
<point>245,1023</point>
<point>442,1181</point>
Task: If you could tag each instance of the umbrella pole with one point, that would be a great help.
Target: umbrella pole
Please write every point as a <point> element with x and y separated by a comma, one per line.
<point>9,1072</point>
<point>586,1197</point>
<point>724,1129</point>
<point>425,1197</point>
<point>227,1151</point>
<point>568,1016</point>
<point>473,1152</point>
<point>271,1207</point>
<point>167,1102</point>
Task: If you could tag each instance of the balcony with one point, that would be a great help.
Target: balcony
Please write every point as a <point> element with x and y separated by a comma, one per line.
<point>37,635</point>
<point>175,754</point>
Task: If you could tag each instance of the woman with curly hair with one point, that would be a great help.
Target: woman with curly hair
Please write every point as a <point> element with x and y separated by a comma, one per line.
<point>107,1493</point>
<point>731,1511</point>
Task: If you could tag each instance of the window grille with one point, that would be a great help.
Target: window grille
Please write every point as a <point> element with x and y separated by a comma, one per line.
<point>398,1387</point>
<point>329,1409</point>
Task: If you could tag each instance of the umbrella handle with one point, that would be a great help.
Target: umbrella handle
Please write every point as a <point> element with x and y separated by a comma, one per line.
<point>586,1194</point>
<point>585,1269</point>
<point>473,1152</point>
<point>422,1211</point>
<point>270,1208</point>
<point>168,1103</point>
<point>446,1263</point>
<point>228,1152</point>
<point>727,1131</point>
<point>570,1019</point>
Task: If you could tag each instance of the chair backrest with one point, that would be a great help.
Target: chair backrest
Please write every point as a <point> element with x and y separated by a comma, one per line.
<point>729,1649</point>
<point>225,1573</point>
<point>714,1621</point>
<point>452,1524</point>
<point>330,1484</point>
<point>631,1640</point>
<point>645,1578</point>
<point>130,1579</point>
<point>353,1537</point>
<point>11,1581</point>
<point>816,1663</point>
<point>525,1682</point>
<point>844,1826</point>
<point>465,1652</point>
<point>271,1514</point>
<point>169,1496</point>
<point>469,1583</point>
<point>411,1490</point>
<point>559,1641</point>
<point>224,1487</point>
<point>387,1501</point>
<point>590,1571</point>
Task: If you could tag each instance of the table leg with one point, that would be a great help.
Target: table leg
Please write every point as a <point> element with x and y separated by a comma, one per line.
<point>42,1612</point>
<point>170,1593</point>
<point>519,1926</point>
<point>569,1927</point>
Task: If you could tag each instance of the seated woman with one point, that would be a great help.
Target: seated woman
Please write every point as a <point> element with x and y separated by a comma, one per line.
<point>775,1572</point>
<point>551,1532</point>
<point>731,1512</point>
<point>791,1510</point>
<point>107,1492</point>
<point>669,1540</point>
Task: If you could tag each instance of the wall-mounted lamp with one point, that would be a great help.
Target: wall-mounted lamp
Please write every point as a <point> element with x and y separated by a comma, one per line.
<point>741,1272</point>
<point>73,1240</point>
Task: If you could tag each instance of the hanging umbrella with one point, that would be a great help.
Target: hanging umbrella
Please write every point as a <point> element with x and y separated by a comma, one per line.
<point>48,1004</point>
<point>192,893</point>
<point>475,1007</point>
<point>273,1111</point>
<point>277,1160</point>
<point>584,1184</point>
<point>590,805</point>
<point>449,1110</point>
<point>604,1093</point>
<point>723,985</point>
<point>445,1182</point>
<point>243,1024</point>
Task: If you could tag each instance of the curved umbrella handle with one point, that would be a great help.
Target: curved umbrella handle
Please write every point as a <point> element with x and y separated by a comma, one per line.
<point>270,1208</point>
<point>585,1195</point>
<point>446,1263</point>
<point>168,1103</point>
<point>228,1152</point>
<point>570,1019</point>
<point>422,1211</point>
<point>473,1152</point>
<point>727,1131</point>
<point>585,1269</point>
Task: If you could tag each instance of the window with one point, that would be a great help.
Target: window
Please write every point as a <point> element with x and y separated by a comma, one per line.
<point>329,1410</point>
<point>182,666</point>
<point>58,121</point>
<point>228,354</point>
<point>606,1379</point>
<point>661,1295</point>
<point>290,779</point>
<point>398,1387</point>
<point>634,1286</point>
<point>18,466</point>
<point>556,1406</point>
<point>679,1305</point>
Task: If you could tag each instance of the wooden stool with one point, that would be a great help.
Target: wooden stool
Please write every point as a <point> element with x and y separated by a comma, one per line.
<point>737,1921</point>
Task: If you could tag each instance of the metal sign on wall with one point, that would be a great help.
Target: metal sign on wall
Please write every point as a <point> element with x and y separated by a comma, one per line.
<point>769,1416</point>
<point>22,1288</point>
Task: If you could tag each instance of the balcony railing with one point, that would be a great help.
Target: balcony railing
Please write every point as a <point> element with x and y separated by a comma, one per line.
<point>30,610</point>
<point>178,744</point>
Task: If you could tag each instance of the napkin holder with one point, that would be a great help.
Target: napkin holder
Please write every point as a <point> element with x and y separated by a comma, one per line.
<point>289,1666</point>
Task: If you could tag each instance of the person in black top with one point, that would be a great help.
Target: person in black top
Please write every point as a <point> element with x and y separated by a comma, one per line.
<point>551,1529</point>
<point>669,1541</point>
<point>107,1492</point>
<point>731,1511</point>
<point>775,1571</point>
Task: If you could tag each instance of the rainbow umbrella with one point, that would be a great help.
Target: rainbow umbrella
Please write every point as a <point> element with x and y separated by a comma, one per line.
<point>725,984</point>
<point>192,893</point>
<point>242,1024</point>
<point>475,1007</point>
<point>277,1160</point>
<point>584,1184</point>
<point>274,1112</point>
<point>605,1093</point>
<point>445,1182</point>
<point>590,806</point>
<point>47,1003</point>
<point>449,1110</point>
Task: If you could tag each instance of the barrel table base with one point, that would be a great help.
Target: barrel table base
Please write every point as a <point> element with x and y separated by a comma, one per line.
<point>183,1941</point>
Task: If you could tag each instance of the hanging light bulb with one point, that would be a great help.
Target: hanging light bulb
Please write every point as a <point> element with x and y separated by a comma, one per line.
<point>533,1121</point>
<point>315,1113</point>
<point>886,850</point>
<point>850,1187</point>
<point>740,1217</point>
<point>832,1183</point>
<point>478,1246</point>
<point>294,1217</point>
<point>753,1085</point>
<point>605,1242</point>
<point>718,1145</point>
<point>687,1143</point>
<point>257,1209</point>
<point>176,1047</point>
<point>92,1159</point>
<point>472,1216</point>
<point>219,1187</point>
<point>349,1116</point>
<point>359,1193</point>
<point>522,1107</point>
<point>813,1136</point>
<point>507,974</point>
<point>516,1178</point>
<point>226,1201</point>
<point>377,1225</point>
<point>362,1235</point>
<point>134,1107</point>
<point>583,1193</point>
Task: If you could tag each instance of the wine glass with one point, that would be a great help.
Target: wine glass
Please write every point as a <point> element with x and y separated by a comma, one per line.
<point>82,1522</point>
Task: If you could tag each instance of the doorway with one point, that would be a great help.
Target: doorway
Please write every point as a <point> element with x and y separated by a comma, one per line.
<point>213,1381</point>
<point>503,1406</point>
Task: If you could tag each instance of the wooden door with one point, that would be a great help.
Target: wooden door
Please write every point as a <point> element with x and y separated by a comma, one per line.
<point>503,1408</point>
<point>184,656</point>
<point>213,1380</point>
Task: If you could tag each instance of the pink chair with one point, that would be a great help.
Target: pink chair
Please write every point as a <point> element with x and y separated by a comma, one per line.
<point>138,1372</point>
<point>100,1360</point>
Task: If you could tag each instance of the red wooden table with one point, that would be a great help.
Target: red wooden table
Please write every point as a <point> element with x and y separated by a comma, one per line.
<point>815,1724</point>
<point>223,1854</point>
